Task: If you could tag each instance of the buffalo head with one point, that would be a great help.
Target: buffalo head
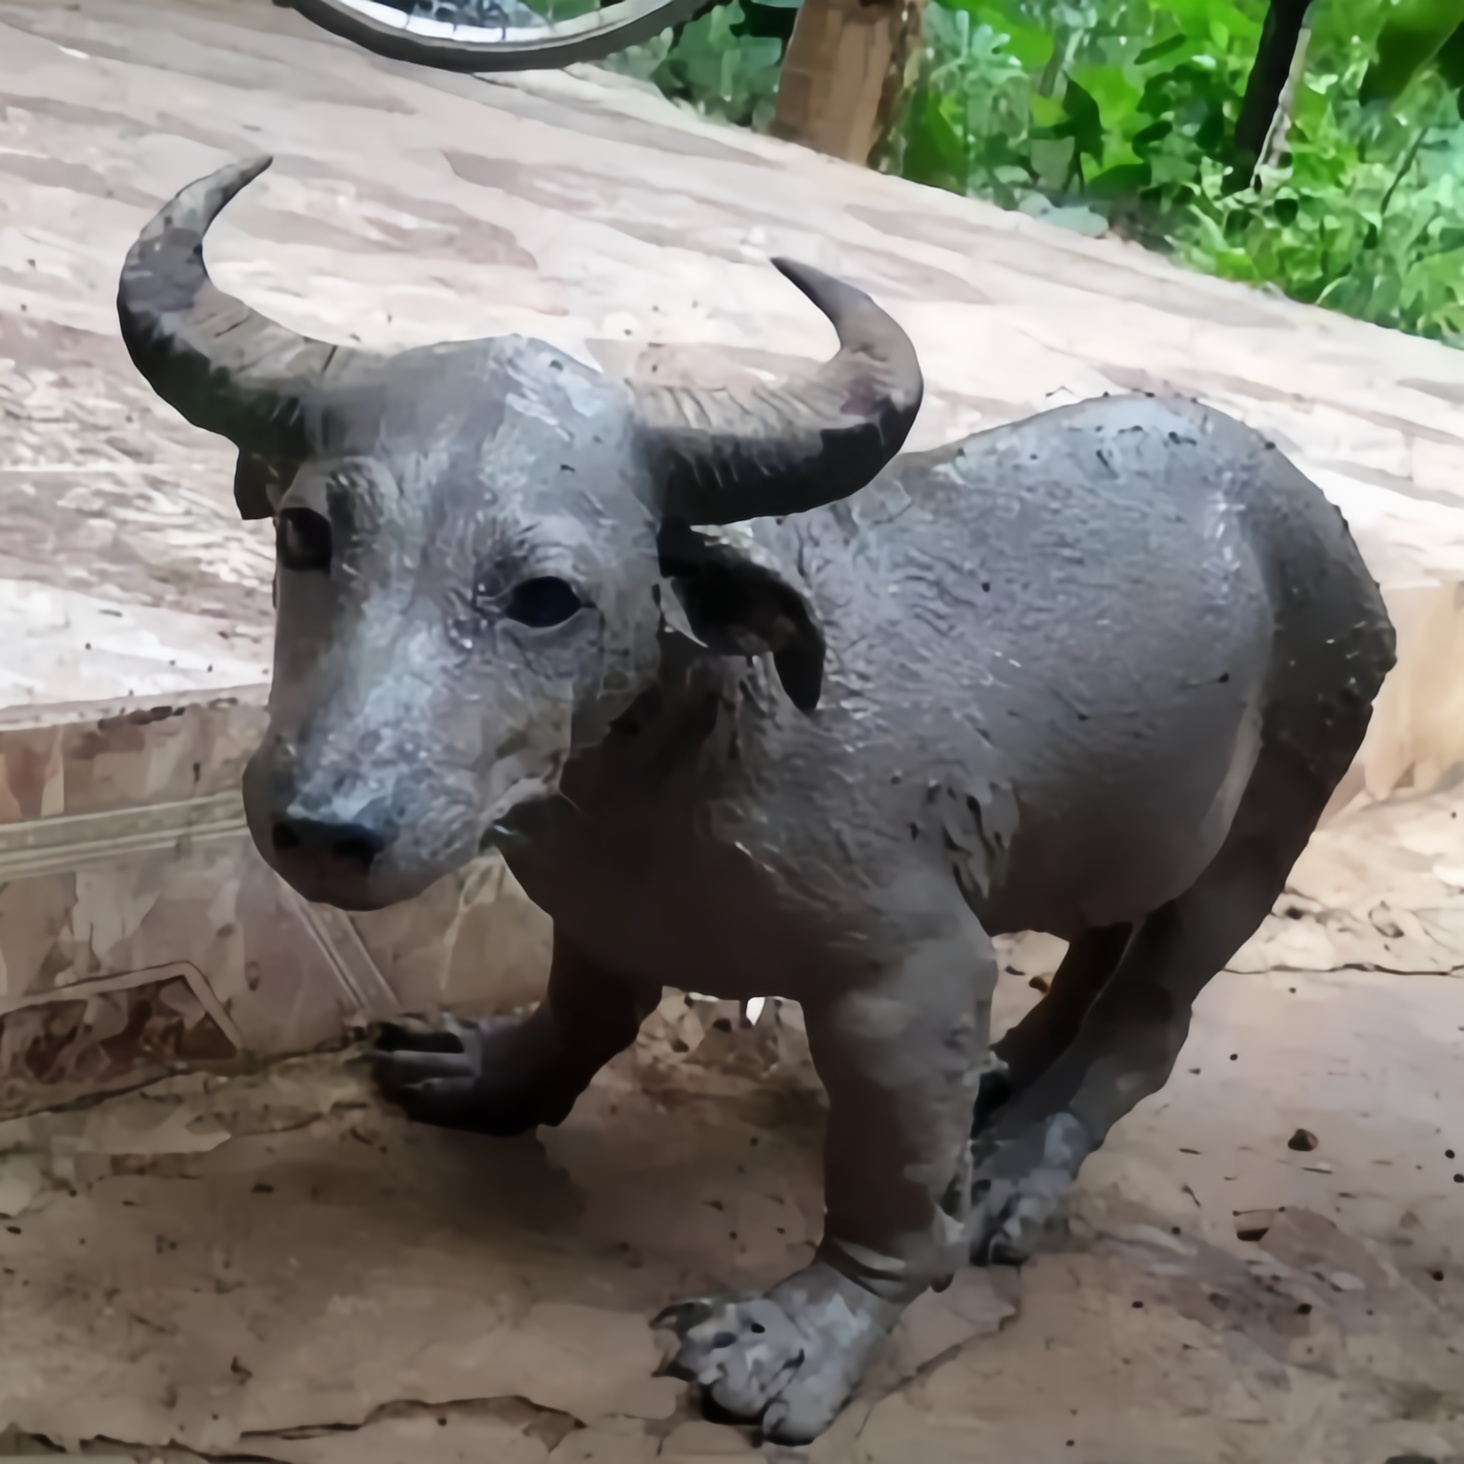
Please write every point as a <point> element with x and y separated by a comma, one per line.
<point>474,543</point>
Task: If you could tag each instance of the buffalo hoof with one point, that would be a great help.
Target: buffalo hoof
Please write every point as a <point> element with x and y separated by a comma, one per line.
<point>490,1077</point>
<point>1020,1187</point>
<point>787,1361</point>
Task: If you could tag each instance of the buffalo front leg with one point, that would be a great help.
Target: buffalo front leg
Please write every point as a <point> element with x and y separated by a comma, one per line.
<point>900,1060</point>
<point>507,1075</point>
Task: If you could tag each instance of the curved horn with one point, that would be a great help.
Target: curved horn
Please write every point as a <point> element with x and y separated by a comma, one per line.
<point>725,455</point>
<point>224,366</point>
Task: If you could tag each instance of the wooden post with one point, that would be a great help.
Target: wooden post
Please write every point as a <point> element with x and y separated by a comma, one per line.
<point>1274,68</point>
<point>844,60</point>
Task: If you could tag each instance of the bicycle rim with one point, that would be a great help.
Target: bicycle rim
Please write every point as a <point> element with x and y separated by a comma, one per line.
<point>400,36</point>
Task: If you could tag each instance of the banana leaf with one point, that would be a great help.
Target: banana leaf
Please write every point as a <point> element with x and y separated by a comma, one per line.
<point>1414,35</point>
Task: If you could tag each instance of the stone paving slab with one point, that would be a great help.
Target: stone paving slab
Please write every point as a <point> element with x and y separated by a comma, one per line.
<point>408,207</point>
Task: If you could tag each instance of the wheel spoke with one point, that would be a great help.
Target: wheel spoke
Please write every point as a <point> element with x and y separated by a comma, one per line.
<point>492,35</point>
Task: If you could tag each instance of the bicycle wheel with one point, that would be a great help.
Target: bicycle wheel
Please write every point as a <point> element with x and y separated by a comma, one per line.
<point>492,35</point>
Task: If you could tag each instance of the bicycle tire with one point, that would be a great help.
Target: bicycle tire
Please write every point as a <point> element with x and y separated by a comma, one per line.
<point>589,37</point>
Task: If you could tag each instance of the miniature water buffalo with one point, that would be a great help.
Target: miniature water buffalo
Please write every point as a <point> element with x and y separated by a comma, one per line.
<point>1096,673</point>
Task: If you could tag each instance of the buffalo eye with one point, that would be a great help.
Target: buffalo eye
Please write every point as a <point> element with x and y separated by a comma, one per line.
<point>302,539</point>
<point>543,602</point>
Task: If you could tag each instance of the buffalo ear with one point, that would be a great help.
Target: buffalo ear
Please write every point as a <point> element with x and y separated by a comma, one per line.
<point>738,607</point>
<point>259,484</point>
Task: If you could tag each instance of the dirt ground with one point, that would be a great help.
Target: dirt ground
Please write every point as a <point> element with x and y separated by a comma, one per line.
<point>1266,1264</point>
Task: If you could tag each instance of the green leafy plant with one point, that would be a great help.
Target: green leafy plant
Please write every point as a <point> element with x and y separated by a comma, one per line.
<point>724,63</point>
<point>1412,36</point>
<point>1119,115</point>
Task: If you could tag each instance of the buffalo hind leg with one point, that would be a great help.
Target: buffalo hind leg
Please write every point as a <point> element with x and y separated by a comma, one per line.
<point>507,1075</point>
<point>1026,1158</point>
<point>899,1059</point>
<point>1028,1049</point>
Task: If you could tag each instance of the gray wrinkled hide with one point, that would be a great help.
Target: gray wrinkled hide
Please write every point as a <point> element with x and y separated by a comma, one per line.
<point>1053,659</point>
<point>1096,674</point>
<point>402,702</point>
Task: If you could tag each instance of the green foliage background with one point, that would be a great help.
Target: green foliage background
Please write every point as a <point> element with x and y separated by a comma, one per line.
<point>1118,114</point>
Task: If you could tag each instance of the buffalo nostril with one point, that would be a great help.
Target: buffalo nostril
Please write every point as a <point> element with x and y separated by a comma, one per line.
<point>358,848</point>
<point>350,843</point>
